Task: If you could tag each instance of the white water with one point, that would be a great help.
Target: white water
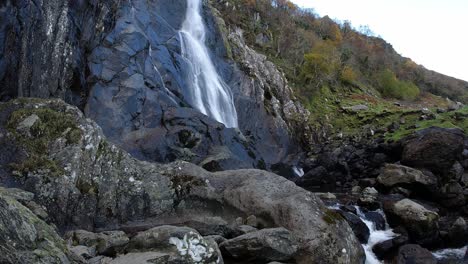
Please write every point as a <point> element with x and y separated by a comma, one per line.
<point>208,92</point>
<point>376,236</point>
<point>298,171</point>
<point>451,254</point>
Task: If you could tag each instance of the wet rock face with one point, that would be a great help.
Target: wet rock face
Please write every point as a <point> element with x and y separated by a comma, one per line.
<point>121,61</point>
<point>414,254</point>
<point>85,182</point>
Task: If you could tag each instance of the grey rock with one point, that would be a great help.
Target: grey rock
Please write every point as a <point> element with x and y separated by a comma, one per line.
<point>143,258</point>
<point>83,251</point>
<point>100,187</point>
<point>27,239</point>
<point>251,221</point>
<point>25,125</point>
<point>360,229</point>
<point>369,199</point>
<point>217,238</point>
<point>356,108</point>
<point>264,245</point>
<point>414,254</point>
<point>106,243</point>
<point>243,229</point>
<point>398,175</point>
<point>421,223</point>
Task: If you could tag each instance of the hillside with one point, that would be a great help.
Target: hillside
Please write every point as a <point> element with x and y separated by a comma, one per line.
<point>333,66</point>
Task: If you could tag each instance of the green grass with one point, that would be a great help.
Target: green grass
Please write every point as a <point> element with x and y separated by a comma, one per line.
<point>50,126</point>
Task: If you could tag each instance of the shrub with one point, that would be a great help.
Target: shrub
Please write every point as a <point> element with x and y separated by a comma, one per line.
<point>390,86</point>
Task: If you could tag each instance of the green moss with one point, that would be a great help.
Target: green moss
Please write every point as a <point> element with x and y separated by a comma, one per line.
<point>50,126</point>
<point>331,216</point>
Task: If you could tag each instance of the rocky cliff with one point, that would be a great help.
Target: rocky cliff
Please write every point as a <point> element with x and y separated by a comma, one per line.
<point>78,180</point>
<point>121,62</point>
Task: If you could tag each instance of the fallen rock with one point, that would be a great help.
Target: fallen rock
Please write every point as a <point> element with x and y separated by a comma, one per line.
<point>356,108</point>
<point>275,244</point>
<point>83,251</point>
<point>25,126</point>
<point>106,243</point>
<point>414,254</point>
<point>421,223</point>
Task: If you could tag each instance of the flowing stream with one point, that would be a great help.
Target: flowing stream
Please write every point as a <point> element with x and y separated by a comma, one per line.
<point>207,91</point>
<point>448,255</point>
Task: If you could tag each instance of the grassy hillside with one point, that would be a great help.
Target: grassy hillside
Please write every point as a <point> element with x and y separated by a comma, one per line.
<point>333,67</point>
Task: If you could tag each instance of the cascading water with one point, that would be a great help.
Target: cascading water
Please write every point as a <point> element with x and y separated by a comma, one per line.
<point>207,91</point>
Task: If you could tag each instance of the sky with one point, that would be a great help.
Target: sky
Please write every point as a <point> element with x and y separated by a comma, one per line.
<point>433,33</point>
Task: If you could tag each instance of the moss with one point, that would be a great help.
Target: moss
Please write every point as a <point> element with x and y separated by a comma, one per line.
<point>50,126</point>
<point>331,216</point>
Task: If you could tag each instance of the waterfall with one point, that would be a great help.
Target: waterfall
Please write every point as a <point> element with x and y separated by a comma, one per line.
<point>207,91</point>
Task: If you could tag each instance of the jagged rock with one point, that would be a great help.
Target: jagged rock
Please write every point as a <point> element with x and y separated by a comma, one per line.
<point>276,244</point>
<point>398,175</point>
<point>24,238</point>
<point>359,227</point>
<point>421,223</point>
<point>414,254</point>
<point>95,185</point>
<point>433,148</point>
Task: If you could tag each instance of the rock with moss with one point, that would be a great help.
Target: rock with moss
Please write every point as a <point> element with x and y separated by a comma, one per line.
<point>24,238</point>
<point>101,187</point>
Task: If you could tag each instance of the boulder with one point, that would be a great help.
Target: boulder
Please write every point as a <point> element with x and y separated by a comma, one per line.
<point>397,175</point>
<point>368,198</point>
<point>414,254</point>
<point>388,248</point>
<point>421,223</point>
<point>458,234</point>
<point>359,227</point>
<point>173,244</point>
<point>433,148</point>
<point>275,244</point>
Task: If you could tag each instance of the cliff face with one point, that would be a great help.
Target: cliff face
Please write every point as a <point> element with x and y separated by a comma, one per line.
<point>121,62</point>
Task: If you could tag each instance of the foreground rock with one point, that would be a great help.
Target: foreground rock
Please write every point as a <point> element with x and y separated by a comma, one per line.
<point>421,223</point>
<point>276,244</point>
<point>359,228</point>
<point>87,183</point>
<point>24,238</point>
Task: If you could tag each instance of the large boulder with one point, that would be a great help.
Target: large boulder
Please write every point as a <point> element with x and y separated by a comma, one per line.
<point>414,254</point>
<point>394,175</point>
<point>421,223</point>
<point>434,148</point>
<point>24,238</point>
<point>87,183</point>
<point>275,244</point>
